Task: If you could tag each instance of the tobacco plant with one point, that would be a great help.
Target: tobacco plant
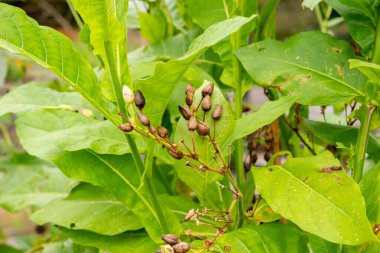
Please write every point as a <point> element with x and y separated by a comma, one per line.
<point>145,152</point>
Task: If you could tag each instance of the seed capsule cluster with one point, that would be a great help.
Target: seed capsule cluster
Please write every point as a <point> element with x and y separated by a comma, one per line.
<point>182,151</point>
<point>174,244</point>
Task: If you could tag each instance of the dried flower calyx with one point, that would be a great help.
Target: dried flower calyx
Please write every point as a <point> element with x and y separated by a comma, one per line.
<point>126,127</point>
<point>139,100</point>
<point>143,119</point>
<point>170,239</point>
<point>185,112</point>
<point>208,89</point>
<point>217,113</point>
<point>206,103</point>
<point>203,129</point>
<point>174,244</point>
<point>189,94</point>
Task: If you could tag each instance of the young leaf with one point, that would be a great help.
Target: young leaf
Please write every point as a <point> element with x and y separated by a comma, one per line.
<point>22,35</point>
<point>371,70</point>
<point>161,84</point>
<point>370,188</point>
<point>298,68</point>
<point>319,245</point>
<point>272,237</point>
<point>310,3</point>
<point>326,203</point>
<point>203,182</point>
<point>107,21</point>
<point>266,114</point>
<point>133,242</point>
<point>90,208</point>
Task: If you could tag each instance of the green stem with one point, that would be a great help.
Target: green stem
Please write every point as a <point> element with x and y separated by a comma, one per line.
<point>376,50</point>
<point>6,136</point>
<point>361,144</point>
<point>135,153</point>
<point>75,14</point>
<point>152,190</point>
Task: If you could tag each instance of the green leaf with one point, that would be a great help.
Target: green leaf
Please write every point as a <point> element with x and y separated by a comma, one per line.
<point>319,245</point>
<point>325,133</point>
<point>263,213</point>
<point>203,182</point>
<point>107,21</point>
<point>298,68</point>
<point>66,246</point>
<point>22,35</point>
<point>266,114</point>
<point>160,85</point>
<point>30,182</point>
<point>153,26</point>
<point>371,70</point>
<point>34,96</point>
<point>329,205</point>
<point>273,237</point>
<point>119,175</point>
<point>367,7</point>
<point>91,208</point>
<point>361,26</point>
<point>3,69</point>
<point>370,188</point>
<point>135,242</point>
<point>8,249</point>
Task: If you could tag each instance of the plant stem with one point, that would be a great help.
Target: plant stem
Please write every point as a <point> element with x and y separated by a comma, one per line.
<point>6,136</point>
<point>361,144</point>
<point>135,153</point>
<point>152,190</point>
<point>376,51</point>
<point>75,14</point>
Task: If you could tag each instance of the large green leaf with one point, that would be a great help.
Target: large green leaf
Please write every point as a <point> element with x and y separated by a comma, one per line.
<point>319,245</point>
<point>30,182</point>
<point>370,188</point>
<point>158,88</point>
<point>325,133</point>
<point>134,242</point>
<point>34,96</point>
<point>272,237</point>
<point>107,21</point>
<point>119,175</point>
<point>318,75</point>
<point>90,208</point>
<point>329,205</point>
<point>203,182</point>
<point>266,114</point>
<point>47,47</point>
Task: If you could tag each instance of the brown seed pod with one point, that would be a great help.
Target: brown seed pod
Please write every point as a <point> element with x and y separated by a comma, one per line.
<point>152,130</point>
<point>202,128</point>
<point>208,89</point>
<point>162,132</point>
<point>126,127</point>
<point>174,154</point>
<point>190,215</point>
<point>143,119</point>
<point>206,103</point>
<point>189,99</point>
<point>185,112</point>
<point>139,100</point>
<point>267,156</point>
<point>217,113</point>
<point>192,124</point>
<point>181,247</point>
<point>170,239</point>
<point>189,89</point>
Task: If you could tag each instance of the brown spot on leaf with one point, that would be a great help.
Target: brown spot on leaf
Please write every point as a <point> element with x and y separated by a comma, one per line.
<point>304,79</point>
<point>260,49</point>
<point>330,169</point>
<point>339,69</point>
<point>227,248</point>
<point>336,50</point>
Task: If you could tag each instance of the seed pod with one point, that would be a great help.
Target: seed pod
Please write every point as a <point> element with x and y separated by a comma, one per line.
<point>139,100</point>
<point>217,113</point>
<point>152,130</point>
<point>206,103</point>
<point>181,247</point>
<point>185,112</point>
<point>208,89</point>
<point>267,156</point>
<point>174,154</point>
<point>190,215</point>
<point>247,163</point>
<point>189,99</point>
<point>162,132</point>
<point>167,249</point>
<point>128,95</point>
<point>126,127</point>
<point>192,124</point>
<point>189,89</point>
<point>143,119</point>
<point>254,158</point>
<point>170,239</point>
<point>202,128</point>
